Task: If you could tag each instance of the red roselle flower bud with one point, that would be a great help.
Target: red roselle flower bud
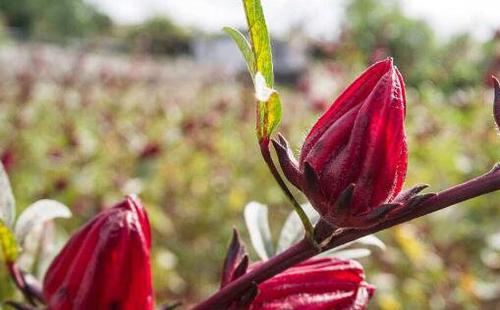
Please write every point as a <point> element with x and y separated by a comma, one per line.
<point>321,283</point>
<point>106,264</point>
<point>353,161</point>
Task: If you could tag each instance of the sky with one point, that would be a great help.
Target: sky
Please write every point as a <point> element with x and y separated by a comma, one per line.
<point>319,18</point>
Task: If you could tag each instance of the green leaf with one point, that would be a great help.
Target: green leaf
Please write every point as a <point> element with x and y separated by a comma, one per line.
<point>244,47</point>
<point>38,213</point>
<point>8,243</point>
<point>371,240</point>
<point>261,44</point>
<point>7,202</point>
<point>347,254</point>
<point>269,115</point>
<point>269,107</point>
<point>257,223</point>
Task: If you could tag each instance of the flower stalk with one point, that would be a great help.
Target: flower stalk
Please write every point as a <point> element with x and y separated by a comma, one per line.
<point>266,155</point>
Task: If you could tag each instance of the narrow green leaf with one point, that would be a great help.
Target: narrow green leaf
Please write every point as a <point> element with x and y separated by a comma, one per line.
<point>269,115</point>
<point>7,202</point>
<point>269,103</point>
<point>244,47</point>
<point>8,243</point>
<point>261,44</point>
<point>258,57</point>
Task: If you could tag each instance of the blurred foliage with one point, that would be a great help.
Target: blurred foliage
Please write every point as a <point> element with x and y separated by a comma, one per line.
<point>3,33</point>
<point>375,29</point>
<point>85,129</point>
<point>53,19</point>
<point>159,35</point>
<point>378,29</point>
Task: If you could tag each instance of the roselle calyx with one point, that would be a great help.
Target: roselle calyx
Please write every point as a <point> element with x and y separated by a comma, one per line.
<point>317,283</point>
<point>106,264</point>
<point>353,162</point>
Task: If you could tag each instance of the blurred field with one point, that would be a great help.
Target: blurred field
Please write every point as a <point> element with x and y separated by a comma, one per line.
<point>86,127</point>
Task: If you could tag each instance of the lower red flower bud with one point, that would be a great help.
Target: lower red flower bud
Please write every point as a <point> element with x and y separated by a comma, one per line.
<point>321,283</point>
<point>106,264</point>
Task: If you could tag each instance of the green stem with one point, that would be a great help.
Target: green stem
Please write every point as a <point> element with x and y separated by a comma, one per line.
<point>266,154</point>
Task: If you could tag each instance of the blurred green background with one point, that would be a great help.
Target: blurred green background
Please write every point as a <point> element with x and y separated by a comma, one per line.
<point>91,110</point>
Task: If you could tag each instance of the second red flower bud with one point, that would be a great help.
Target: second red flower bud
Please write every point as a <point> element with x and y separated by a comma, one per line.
<point>354,159</point>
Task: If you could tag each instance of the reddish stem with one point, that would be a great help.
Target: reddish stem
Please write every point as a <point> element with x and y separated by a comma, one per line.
<point>295,254</point>
<point>20,282</point>
<point>266,155</point>
<point>303,250</point>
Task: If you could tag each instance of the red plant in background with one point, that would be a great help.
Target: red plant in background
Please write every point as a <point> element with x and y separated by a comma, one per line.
<point>106,264</point>
<point>8,159</point>
<point>354,159</point>
<point>150,150</point>
<point>321,283</point>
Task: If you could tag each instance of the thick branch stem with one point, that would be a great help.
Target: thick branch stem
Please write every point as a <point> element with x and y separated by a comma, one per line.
<point>486,183</point>
<point>303,250</point>
<point>295,254</point>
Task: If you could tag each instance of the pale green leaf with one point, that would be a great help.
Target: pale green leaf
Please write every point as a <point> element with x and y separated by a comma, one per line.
<point>494,241</point>
<point>7,202</point>
<point>38,213</point>
<point>257,223</point>
<point>293,230</point>
<point>244,47</point>
<point>54,240</point>
<point>347,254</point>
<point>371,240</point>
